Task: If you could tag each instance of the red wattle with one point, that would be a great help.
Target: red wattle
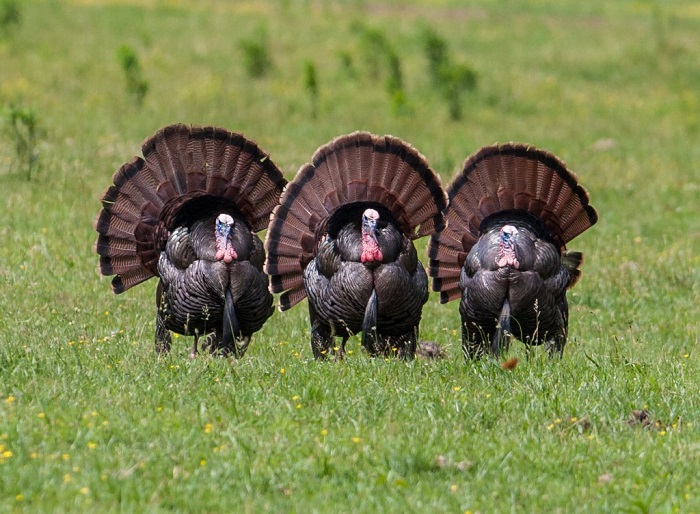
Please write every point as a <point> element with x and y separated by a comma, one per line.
<point>370,250</point>
<point>230,254</point>
<point>507,257</point>
<point>227,254</point>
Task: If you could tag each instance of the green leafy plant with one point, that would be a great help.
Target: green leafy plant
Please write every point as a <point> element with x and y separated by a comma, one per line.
<point>374,47</point>
<point>136,84</point>
<point>394,84</point>
<point>457,78</point>
<point>451,79</point>
<point>23,129</point>
<point>311,86</point>
<point>256,54</point>
<point>346,63</point>
<point>394,81</point>
<point>436,52</point>
<point>382,59</point>
<point>10,15</point>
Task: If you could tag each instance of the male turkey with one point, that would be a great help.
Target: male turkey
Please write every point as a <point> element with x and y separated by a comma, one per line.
<point>512,209</point>
<point>187,213</point>
<point>342,235</point>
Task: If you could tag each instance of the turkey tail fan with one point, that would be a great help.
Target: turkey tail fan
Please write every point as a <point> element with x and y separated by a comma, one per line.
<point>357,167</point>
<point>506,178</point>
<point>185,171</point>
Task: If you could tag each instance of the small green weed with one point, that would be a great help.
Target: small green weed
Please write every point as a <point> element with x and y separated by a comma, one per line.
<point>136,84</point>
<point>311,86</point>
<point>451,79</point>
<point>347,63</point>
<point>394,84</point>
<point>382,59</point>
<point>374,47</point>
<point>10,16</point>
<point>257,59</point>
<point>436,52</point>
<point>22,127</point>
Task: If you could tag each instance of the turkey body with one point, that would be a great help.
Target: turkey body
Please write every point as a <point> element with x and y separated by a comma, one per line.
<point>383,299</point>
<point>195,287</point>
<point>527,301</point>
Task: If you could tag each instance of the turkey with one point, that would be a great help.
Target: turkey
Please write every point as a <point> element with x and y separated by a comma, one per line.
<point>187,213</point>
<point>512,209</point>
<point>342,236</point>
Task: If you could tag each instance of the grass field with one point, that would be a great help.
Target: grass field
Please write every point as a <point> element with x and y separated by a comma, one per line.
<point>92,421</point>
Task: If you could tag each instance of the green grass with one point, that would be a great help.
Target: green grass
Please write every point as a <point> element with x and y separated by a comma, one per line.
<point>92,421</point>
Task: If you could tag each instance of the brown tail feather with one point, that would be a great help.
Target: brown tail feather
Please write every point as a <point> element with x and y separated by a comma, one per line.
<point>357,167</point>
<point>572,261</point>
<point>182,167</point>
<point>292,297</point>
<point>128,279</point>
<point>449,289</point>
<point>498,178</point>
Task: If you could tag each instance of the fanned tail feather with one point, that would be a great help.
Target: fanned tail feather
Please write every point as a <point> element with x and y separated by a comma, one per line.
<point>500,178</point>
<point>572,262</point>
<point>184,172</point>
<point>357,167</point>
